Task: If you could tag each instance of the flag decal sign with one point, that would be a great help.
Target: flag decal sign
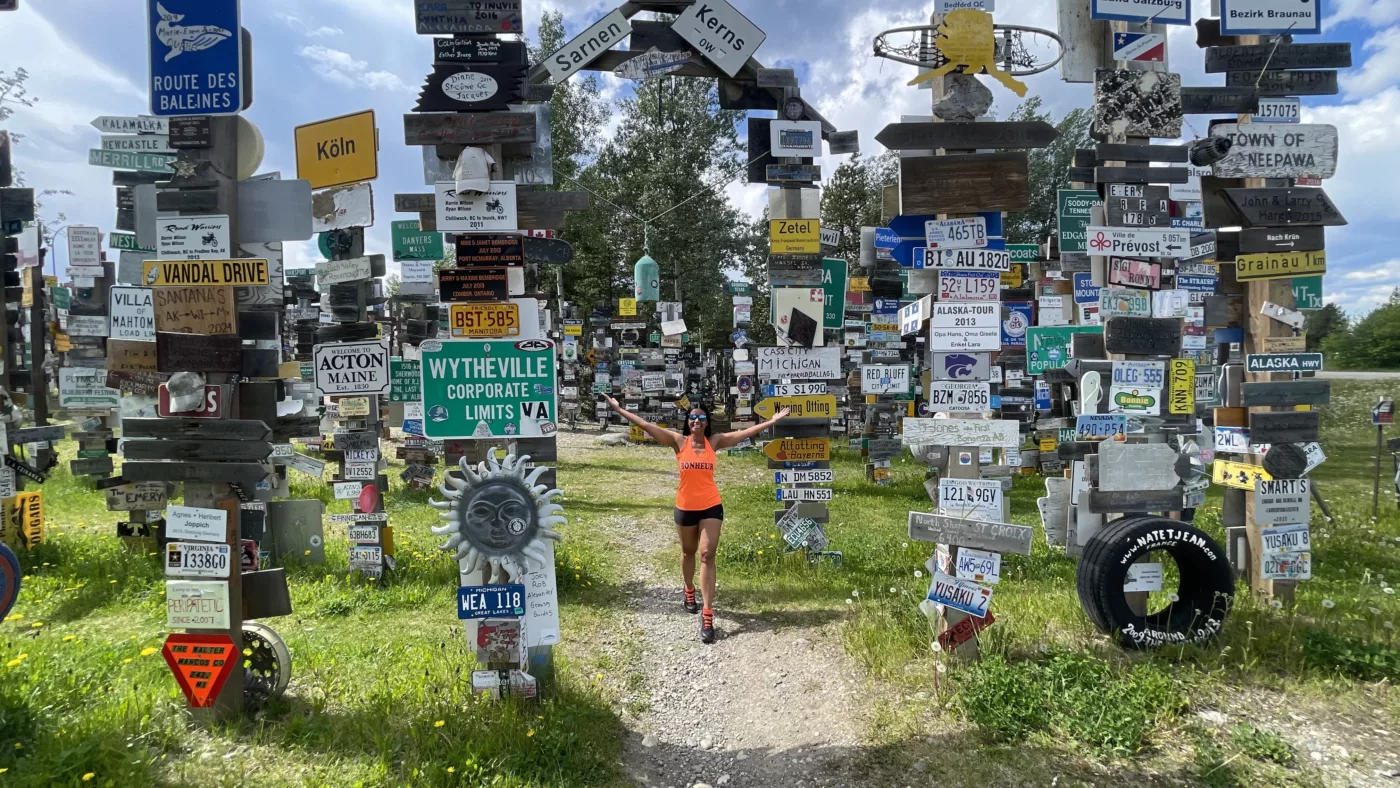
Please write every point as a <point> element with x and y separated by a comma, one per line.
<point>1140,47</point>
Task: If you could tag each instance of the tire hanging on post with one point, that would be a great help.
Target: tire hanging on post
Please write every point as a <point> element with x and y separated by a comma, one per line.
<point>1206,582</point>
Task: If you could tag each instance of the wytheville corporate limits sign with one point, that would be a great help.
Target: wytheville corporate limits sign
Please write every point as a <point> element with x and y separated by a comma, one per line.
<point>489,389</point>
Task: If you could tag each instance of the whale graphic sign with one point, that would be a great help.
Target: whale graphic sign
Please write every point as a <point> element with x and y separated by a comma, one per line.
<point>196,52</point>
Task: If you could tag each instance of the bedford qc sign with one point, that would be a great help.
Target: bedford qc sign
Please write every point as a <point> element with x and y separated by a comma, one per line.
<point>489,389</point>
<point>196,52</point>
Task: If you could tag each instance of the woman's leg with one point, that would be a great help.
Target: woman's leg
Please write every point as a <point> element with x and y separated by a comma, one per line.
<point>709,544</point>
<point>690,543</point>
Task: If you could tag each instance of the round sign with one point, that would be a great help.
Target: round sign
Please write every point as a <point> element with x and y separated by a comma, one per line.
<point>369,498</point>
<point>793,109</point>
<point>745,384</point>
<point>1015,324</point>
<point>469,87</point>
<point>1286,461</point>
<point>9,579</point>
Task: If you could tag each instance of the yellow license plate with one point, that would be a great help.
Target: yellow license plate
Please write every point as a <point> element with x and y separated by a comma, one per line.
<point>485,320</point>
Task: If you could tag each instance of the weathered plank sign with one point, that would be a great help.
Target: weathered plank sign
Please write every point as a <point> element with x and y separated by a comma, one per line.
<point>475,128</point>
<point>226,450</point>
<point>995,537</point>
<point>1219,101</point>
<point>1144,336</point>
<point>1281,207</point>
<point>1283,57</point>
<point>1285,83</point>
<point>1170,154</point>
<point>967,135</point>
<point>964,183</point>
<point>468,16</point>
<point>243,473</point>
<point>196,429</point>
<point>1284,427</point>
<point>473,87</point>
<point>1283,151</point>
<point>198,353</point>
<point>1287,393</point>
<point>1103,502</point>
<point>1142,175</point>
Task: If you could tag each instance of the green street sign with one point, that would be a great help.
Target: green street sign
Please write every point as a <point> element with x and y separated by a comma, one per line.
<point>1307,292</point>
<point>405,380</point>
<point>411,243</point>
<point>1025,253</point>
<point>655,336</point>
<point>1074,207</point>
<point>126,160</point>
<point>1048,347</point>
<point>126,242</point>
<point>835,275</point>
<point>736,288</point>
<point>489,388</point>
<point>62,298</point>
<point>323,243</point>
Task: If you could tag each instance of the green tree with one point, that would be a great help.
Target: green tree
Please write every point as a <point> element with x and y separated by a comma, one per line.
<point>1047,170</point>
<point>577,111</point>
<point>1372,343</point>
<point>1323,323</point>
<point>853,196</point>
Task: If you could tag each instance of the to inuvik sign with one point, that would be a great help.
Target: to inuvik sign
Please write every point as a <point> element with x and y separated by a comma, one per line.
<point>352,368</point>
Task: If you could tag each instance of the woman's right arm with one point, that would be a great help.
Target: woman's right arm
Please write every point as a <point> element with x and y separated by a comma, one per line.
<point>662,436</point>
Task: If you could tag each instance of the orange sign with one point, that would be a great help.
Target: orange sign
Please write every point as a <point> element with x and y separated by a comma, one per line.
<point>201,664</point>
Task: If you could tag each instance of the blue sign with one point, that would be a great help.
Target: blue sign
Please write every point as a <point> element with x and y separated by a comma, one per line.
<point>1042,395</point>
<point>996,402</point>
<point>1188,223</point>
<point>1229,336</point>
<point>996,223</point>
<point>1196,284</point>
<point>911,226</point>
<point>196,51</point>
<point>490,602</point>
<point>1016,320</point>
<point>413,427</point>
<point>886,306</point>
<point>1084,290</point>
<point>885,238</point>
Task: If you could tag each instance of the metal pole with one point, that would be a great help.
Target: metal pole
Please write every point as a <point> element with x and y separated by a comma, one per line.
<point>1376,489</point>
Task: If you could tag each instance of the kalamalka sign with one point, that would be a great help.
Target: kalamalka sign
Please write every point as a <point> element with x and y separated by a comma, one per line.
<point>489,389</point>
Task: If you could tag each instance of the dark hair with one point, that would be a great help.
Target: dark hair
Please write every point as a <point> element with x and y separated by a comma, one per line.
<point>709,420</point>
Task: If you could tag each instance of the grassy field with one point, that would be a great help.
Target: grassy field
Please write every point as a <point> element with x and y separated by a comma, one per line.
<point>380,690</point>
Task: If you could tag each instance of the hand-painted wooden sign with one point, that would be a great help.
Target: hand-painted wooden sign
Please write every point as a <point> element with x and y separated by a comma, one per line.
<point>1279,207</point>
<point>1138,103</point>
<point>967,40</point>
<point>201,663</point>
<point>196,353</point>
<point>196,429</point>
<point>964,183</point>
<point>961,432</point>
<point>1287,393</point>
<point>798,449</point>
<point>652,63</point>
<point>548,251</point>
<point>1104,501</point>
<point>1265,151</point>
<point>996,537</point>
<point>1170,154</point>
<point>476,128</point>
<point>1219,101</point>
<point>474,87</point>
<point>967,135</point>
<point>1283,57</point>
<point>235,451</point>
<point>468,16</point>
<point>807,407</point>
<point>1279,265</point>
<point>1283,427</point>
<point>477,49</point>
<point>1285,83</point>
<point>1145,336</point>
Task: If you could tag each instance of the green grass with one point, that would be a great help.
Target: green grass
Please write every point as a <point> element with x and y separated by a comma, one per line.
<point>376,667</point>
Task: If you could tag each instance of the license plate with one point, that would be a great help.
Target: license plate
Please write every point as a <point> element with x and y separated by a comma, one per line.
<point>190,559</point>
<point>485,320</point>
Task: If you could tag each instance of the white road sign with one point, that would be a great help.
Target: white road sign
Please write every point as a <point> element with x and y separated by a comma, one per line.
<point>720,33</point>
<point>1128,242</point>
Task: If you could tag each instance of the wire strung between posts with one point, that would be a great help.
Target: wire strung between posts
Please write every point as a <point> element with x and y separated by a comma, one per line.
<point>1277,40</point>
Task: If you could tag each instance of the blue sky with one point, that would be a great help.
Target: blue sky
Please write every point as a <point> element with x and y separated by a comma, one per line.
<point>315,59</point>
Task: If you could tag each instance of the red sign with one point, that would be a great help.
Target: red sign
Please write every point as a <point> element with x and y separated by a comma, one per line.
<point>964,630</point>
<point>211,407</point>
<point>369,498</point>
<point>201,664</point>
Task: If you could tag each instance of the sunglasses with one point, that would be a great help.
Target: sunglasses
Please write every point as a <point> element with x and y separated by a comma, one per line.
<point>701,417</point>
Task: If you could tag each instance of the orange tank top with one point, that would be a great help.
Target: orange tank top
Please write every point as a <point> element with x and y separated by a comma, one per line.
<point>697,491</point>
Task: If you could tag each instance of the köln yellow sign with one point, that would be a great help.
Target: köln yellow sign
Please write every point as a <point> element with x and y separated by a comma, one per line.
<point>795,236</point>
<point>251,272</point>
<point>338,151</point>
<point>1279,265</point>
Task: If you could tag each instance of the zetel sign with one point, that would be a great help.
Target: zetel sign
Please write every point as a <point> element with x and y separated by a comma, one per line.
<point>352,368</point>
<point>489,389</point>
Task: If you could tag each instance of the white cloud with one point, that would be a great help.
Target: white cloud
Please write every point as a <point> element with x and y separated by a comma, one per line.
<point>1373,12</point>
<point>1387,270</point>
<point>341,68</point>
<point>1369,132</point>
<point>1381,69</point>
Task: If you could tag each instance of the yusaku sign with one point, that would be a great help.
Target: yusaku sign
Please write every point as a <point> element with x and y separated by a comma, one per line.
<point>489,389</point>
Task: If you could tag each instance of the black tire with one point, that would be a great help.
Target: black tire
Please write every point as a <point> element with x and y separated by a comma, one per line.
<point>1206,586</point>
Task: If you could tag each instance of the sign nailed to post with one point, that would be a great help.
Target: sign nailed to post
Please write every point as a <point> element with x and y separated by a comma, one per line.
<point>338,151</point>
<point>201,664</point>
<point>720,33</point>
<point>488,389</point>
<point>1169,13</point>
<point>352,368</point>
<point>1293,151</point>
<point>196,57</point>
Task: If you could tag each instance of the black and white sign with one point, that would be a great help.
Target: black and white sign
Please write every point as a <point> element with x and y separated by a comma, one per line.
<point>192,238</point>
<point>200,525</point>
<point>133,313</point>
<point>476,212</point>
<point>720,33</point>
<point>998,260</point>
<point>352,368</point>
<point>588,45</point>
<point>1270,17</point>
<point>804,494</point>
<point>84,246</point>
<point>967,233</point>
<point>1277,151</point>
<point>193,559</point>
<point>881,379</point>
<point>965,326</point>
<point>1118,241</point>
<point>973,499</point>
<point>949,397</point>
<point>800,138</point>
<point>1283,502</point>
<point>804,477</point>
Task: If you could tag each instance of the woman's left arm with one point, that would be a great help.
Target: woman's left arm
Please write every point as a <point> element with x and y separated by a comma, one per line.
<point>728,439</point>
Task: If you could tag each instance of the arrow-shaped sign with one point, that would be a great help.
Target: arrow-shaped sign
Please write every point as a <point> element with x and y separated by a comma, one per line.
<point>798,449</point>
<point>816,406</point>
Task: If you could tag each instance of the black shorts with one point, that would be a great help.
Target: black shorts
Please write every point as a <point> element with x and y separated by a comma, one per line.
<point>687,519</point>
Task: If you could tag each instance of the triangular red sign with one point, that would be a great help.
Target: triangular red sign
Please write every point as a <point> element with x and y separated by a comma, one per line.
<point>201,664</point>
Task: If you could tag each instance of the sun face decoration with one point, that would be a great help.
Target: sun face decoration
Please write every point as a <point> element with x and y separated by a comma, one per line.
<point>498,518</point>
